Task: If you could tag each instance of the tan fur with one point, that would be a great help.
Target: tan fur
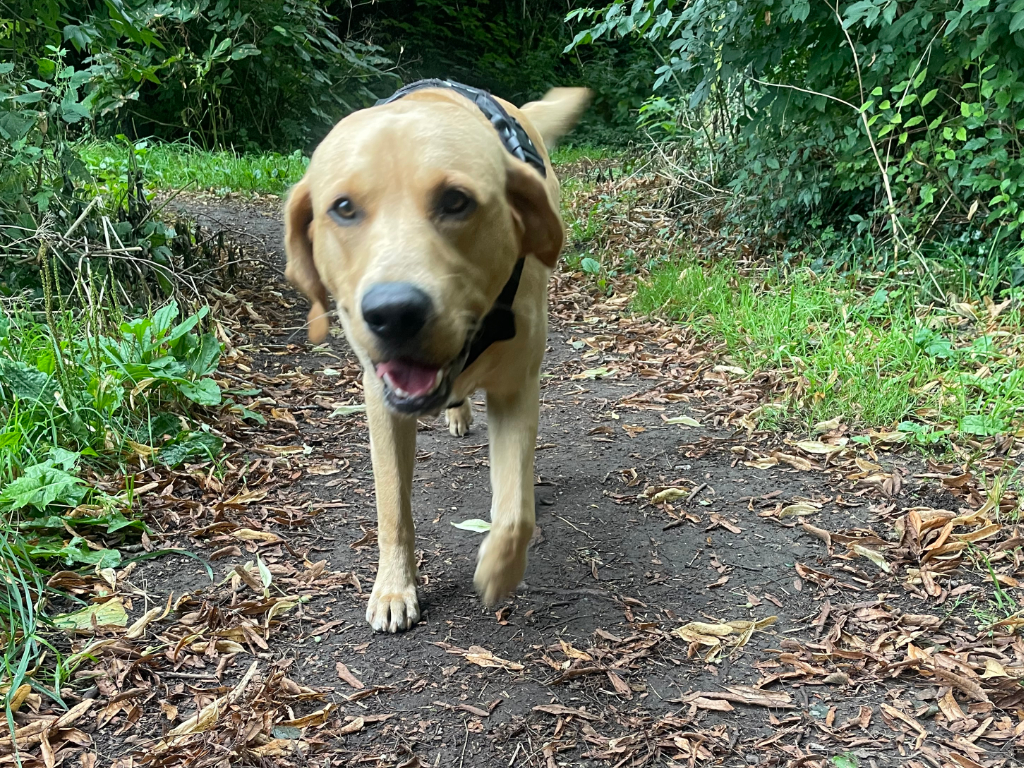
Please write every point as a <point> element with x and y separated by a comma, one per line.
<point>393,159</point>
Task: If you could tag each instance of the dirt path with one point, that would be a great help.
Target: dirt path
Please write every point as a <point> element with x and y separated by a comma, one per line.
<point>616,651</point>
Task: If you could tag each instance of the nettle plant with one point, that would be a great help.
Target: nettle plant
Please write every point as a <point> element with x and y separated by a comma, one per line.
<point>903,119</point>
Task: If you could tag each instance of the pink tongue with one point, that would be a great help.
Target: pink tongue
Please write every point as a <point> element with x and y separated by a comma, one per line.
<point>415,379</point>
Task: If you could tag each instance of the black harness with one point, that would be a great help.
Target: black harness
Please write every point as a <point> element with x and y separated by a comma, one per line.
<point>499,324</point>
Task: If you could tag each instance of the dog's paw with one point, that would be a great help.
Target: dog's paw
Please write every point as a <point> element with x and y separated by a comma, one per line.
<point>459,419</point>
<point>501,563</point>
<point>393,608</point>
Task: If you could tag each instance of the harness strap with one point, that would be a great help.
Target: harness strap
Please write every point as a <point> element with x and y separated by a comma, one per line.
<point>512,134</point>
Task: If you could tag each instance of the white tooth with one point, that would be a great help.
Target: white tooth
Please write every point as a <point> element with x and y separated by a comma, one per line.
<point>438,379</point>
<point>401,392</point>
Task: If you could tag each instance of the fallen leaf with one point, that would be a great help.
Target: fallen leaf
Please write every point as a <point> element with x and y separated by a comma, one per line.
<point>685,421</point>
<point>669,494</point>
<point>107,614</point>
<point>248,534</point>
<point>475,525</point>
<point>484,658</point>
<point>353,727</point>
<point>872,555</point>
<point>818,447</point>
<point>347,410</point>
<point>800,509</point>
<point>348,677</point>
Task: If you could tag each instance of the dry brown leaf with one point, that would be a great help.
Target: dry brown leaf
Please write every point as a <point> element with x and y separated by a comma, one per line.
<point>248,534</point>
<point>903,716</point>
<point>574,653</point>
<point>353,727</point>
<point>484,658</point>
<point>348,677</point>
<point>313,719</point>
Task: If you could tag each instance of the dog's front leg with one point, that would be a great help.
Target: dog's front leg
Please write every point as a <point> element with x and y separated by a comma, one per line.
<point>512,426</point>
<point>393,604</point>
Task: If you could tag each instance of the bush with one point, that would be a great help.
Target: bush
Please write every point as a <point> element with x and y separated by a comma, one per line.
<point>515,50</point>
<point>267,73</point>
<point>883,119</point>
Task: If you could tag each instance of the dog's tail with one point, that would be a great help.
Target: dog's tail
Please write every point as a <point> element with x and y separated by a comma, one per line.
<point>557,113</point>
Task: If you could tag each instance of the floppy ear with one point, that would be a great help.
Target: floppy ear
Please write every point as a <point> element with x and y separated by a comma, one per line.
<point>542,233</point>
<point>557,113</point>
<point>301,271</point>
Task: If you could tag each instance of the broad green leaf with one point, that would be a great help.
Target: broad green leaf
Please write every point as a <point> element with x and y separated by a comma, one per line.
<point>982,425</point>
<point>42,485</point>
<point>201,392</point>
<point>64,459</point>
<point>199,446</point>
<point>25,381</point>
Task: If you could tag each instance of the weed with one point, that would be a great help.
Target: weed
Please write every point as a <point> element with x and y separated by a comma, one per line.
<point>84,390</point>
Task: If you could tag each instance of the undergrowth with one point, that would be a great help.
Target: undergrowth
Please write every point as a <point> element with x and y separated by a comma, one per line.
<point>83,393</point>
<point>174,166</point>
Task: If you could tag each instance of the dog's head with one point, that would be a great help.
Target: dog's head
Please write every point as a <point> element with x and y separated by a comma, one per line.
<point>412,216</point>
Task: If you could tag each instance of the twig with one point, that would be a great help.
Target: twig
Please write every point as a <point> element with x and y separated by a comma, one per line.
<point>462,758</point>
<point>81,218</point>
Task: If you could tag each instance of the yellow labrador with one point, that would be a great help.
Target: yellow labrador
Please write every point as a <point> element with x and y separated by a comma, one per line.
<point>433,220</point>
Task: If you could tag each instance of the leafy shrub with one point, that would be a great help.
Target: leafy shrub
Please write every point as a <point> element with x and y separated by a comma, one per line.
<point>110,393</point>
<point>881,118</point>
<point>255,72</point>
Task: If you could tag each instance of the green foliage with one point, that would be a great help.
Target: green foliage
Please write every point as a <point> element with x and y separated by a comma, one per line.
<point>255,72</point>
<point>806,112</point>
<point>89,394</point>
<point>81,395</point>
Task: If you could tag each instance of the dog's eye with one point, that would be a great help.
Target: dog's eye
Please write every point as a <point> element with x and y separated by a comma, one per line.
<point>345,210</point>
<point>455,202</point>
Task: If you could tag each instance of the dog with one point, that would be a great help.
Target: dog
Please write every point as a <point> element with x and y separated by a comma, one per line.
<point>433,220</point>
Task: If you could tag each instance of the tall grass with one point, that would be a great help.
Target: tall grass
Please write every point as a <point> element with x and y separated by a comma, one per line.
<point>874,357</point>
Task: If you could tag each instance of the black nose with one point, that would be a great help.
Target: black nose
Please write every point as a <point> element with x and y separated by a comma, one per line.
<point>396,312</point>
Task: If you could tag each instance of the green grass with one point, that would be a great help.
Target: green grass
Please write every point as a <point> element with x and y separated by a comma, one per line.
<point>872,358</point>
<point>174,166</point>
<point>565,154</point>
<point>179,165</point>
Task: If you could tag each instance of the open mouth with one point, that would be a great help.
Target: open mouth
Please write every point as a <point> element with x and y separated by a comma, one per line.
<point>411,387</point>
